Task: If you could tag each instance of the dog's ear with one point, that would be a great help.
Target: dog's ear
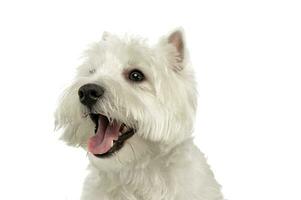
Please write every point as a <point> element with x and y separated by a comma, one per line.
<point>105,35</point>
<point>176,39</point>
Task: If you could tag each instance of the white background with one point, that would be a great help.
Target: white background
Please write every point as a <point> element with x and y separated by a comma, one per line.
<point>247,59</point>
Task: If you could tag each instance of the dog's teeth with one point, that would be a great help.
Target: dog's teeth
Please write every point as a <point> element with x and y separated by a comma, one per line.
<point>119,134</point>
<point>112,143</point>
<point>111,121</point>
<point>124,130</point>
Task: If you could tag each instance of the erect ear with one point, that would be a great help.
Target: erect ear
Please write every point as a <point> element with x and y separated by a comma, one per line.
<point>176,39</point>
<point>105,35</point>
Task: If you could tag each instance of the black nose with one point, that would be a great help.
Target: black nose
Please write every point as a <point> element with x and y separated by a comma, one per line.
<point>89,94</point>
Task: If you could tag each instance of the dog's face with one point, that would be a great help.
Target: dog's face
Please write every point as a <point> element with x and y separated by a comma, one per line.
<point>128,95</point>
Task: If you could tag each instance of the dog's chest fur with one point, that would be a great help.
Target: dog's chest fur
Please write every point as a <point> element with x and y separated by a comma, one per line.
<point>182,174</point>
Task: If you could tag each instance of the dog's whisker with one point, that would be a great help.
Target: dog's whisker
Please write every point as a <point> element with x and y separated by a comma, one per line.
<point>85,115</point>
<point>133,150</point>
<point>120,160</point>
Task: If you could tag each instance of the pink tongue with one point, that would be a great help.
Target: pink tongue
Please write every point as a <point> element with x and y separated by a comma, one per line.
<point>101,142</point>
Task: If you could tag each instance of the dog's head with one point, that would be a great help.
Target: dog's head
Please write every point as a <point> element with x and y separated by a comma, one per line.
<point>127,93</point>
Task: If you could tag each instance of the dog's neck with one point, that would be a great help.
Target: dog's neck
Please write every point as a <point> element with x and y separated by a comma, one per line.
<point>152,168</point>
<point>144,156</point>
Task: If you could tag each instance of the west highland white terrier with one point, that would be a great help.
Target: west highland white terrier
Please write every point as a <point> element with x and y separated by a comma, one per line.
<point>132,108</point>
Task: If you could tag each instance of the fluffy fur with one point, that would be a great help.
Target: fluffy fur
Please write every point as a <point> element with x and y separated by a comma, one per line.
<point>160,162</point>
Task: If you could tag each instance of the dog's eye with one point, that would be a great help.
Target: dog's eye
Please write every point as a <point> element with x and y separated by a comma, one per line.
<point>136,75</point>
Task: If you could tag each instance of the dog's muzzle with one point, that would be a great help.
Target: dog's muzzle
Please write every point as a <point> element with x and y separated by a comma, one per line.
<point>110,134</point>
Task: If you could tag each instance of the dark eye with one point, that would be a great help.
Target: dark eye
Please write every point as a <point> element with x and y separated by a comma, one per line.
<point>136,75</point>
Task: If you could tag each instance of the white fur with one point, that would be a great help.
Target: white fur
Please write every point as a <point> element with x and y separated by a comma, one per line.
<point>160,162</point>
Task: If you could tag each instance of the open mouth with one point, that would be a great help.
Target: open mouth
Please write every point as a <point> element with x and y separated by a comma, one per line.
<point>109,136</point>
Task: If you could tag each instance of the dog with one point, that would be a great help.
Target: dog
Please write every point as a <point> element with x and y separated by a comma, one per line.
<point>132,107</point>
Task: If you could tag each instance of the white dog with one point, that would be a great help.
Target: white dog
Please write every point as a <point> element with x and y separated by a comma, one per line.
<point>132,107</point>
